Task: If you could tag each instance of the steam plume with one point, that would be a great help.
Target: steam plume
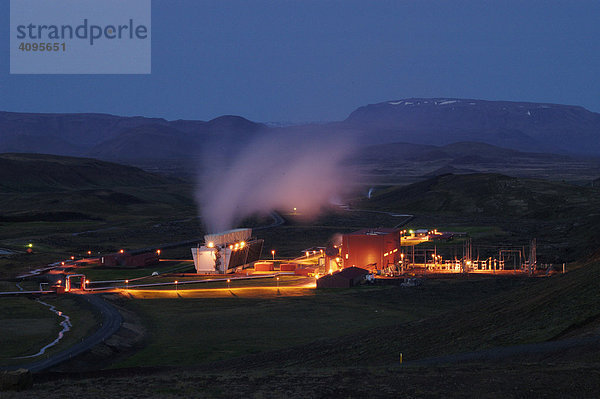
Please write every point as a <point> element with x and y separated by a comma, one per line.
<point>279,170</point>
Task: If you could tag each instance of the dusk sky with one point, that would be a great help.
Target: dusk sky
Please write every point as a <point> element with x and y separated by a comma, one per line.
<point>299,61</point>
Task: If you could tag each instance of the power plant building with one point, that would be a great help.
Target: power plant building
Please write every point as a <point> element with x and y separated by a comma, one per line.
<point>226,251</point>
<point>373,249</point>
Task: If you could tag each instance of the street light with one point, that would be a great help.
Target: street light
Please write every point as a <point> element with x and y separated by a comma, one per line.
<point>273,253</point>
<point>402,262</point>
<point>277,282</point>
<point>228,284</point>
<point>176,287</point>
<point>127,284</point>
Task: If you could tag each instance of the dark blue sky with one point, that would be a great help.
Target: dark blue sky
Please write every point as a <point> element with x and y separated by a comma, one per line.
<point>319,60</point>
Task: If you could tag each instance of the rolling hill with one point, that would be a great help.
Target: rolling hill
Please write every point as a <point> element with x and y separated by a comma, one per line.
<point>490,195</point>
<point>398,163</point>
<point>40,172</point>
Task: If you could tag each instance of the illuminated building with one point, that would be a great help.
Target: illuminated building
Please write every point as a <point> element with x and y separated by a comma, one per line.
<point>226,251</point>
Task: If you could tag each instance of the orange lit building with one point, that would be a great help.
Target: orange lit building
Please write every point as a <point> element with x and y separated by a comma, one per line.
<point>373,249</point>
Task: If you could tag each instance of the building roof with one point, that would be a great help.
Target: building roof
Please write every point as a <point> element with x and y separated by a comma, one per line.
<point>228,237</point>
<point>378,231</point>
<point>352,272</point>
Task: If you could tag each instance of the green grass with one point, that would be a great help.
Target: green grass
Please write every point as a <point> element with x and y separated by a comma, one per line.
<point>369,326</point>
<point>187,331</point>
<point>26,326</point>
<point>501,312</point>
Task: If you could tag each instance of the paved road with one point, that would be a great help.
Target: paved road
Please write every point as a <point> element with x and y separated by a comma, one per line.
<point>277,221</point>
<point>407,218</point>
<point>111,322</point>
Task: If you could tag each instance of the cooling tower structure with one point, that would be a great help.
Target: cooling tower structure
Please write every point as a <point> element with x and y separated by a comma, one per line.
<point>226,251</point>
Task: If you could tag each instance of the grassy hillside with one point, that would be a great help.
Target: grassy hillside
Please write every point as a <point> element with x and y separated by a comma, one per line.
<point>489,195</point>
<point>39,172</point>
<point>66,206</point>
<point>565,218</point>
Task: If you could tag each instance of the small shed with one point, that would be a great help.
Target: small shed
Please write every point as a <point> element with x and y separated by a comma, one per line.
<point>345,278</point>
<point>264,266</point>
<point>287,267</point>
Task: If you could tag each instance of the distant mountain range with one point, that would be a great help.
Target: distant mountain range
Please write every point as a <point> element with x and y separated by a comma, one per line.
<point>530,127</point>
<point>114,138</point>
<point>526,127</point>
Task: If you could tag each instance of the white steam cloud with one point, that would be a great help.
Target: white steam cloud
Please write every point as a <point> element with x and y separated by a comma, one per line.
<point>272,171</point>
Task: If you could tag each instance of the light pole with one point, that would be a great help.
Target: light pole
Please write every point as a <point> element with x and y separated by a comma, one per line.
<point>228,284</point>
<point>176,292</point>
<point>273,253</point>
<point>402,262</point>
<point>277,282</point>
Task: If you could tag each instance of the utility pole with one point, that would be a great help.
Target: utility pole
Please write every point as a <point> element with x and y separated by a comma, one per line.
<point>532,256</point>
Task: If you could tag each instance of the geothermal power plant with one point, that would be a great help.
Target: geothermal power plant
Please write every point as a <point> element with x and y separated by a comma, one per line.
<point>226,251</point>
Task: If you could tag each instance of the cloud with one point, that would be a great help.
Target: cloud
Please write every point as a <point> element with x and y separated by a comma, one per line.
<point>276,170</point>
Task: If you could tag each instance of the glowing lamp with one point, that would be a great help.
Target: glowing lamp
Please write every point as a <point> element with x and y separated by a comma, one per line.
<point>211,244</point>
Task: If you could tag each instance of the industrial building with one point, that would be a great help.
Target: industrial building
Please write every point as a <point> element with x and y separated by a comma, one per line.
<point>373,249</point>
<point>226,251</point>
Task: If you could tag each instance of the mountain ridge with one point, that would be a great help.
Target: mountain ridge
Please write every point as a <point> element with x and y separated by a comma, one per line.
<point>524,126</point>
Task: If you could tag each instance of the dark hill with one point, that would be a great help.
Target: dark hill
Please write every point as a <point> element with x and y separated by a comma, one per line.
<point>39,172</point>
<point>146,142</point>
<point>407,162</point>
<point>490,195</point>
<point>113,137</point>
<point>533,127</point>
<point>79,130</point>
